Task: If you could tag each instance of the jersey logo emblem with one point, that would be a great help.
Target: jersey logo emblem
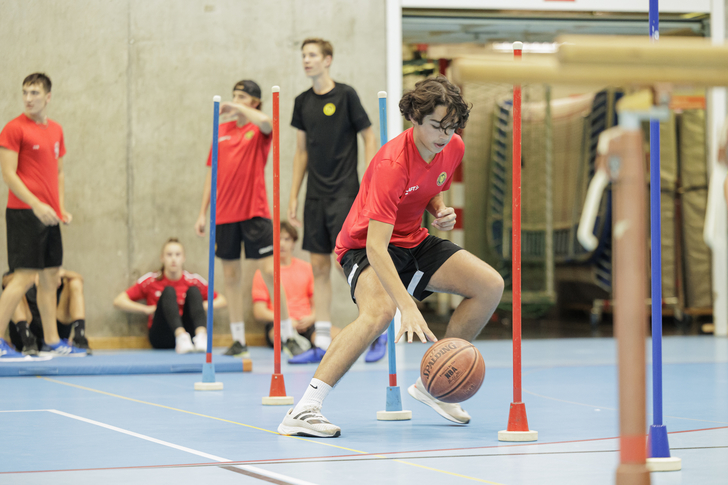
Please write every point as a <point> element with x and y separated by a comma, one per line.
<point>441,179</point>
<point>36,147</point>
<point>57,149</point>
<point>248,135</point>
<point>223,138</point>
<point>329,109</point>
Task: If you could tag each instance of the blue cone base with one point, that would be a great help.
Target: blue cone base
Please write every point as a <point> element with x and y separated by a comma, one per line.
<point>394,399</point>
<point>657,445</point>
<point>208,372</point>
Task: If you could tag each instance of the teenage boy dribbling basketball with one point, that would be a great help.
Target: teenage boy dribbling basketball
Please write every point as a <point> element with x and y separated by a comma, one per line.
<point>387,256</point>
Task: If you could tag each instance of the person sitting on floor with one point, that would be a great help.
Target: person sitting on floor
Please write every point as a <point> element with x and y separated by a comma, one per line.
<point>297,279</point>
<point>26,329</point>
<point>176,302</point>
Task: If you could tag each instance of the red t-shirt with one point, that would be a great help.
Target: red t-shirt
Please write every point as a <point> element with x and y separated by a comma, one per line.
<point>38,147</point>
<point>149,288</point>
<point>241,158</point>
<point>297,283</point>
<point>396,189</point>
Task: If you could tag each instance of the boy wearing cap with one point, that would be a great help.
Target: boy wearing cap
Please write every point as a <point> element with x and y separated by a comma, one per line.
<point>243,216</point>
<point>328,117</point>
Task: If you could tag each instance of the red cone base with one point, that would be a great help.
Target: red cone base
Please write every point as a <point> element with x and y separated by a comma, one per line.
<point>517,420</point>
<point>517,425</point>
<point>277,395</point>
<point>277,386</point>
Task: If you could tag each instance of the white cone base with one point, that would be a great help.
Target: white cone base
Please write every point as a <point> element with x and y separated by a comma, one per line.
<point>394,415</point>
<point>277,400</point>
<point>208,386</point>
<point>669,464</point>
<point>529,435</point>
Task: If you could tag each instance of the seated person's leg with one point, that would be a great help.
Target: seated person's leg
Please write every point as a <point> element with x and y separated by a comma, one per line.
<point>63,317</point>
<point>72,305</point>
<point>20,334</point>
<point>194,318</point>
<point>167,331</point>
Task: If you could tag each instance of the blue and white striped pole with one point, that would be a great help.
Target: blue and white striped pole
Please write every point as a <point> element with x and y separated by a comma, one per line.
<point>394,410</point>
<point>208,368</point>
<point>658,448</point>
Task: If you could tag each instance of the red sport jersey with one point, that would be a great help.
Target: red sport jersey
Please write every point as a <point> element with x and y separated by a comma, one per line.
<point>241,158</point>
<point>150,288</point>
<point>38,147</point>
<point>396,189</point>
<point>297,281</point>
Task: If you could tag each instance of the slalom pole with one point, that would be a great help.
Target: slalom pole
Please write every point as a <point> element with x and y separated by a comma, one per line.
<point>517,421</point>
<point>657,444</point>
<point>393,410</point>
<point>208,368</point>
<point>277,395</point>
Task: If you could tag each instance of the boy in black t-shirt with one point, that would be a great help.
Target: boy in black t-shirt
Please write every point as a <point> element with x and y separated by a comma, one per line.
<point>328,117</point>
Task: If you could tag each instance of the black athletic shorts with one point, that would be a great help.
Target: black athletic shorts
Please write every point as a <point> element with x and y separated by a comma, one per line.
<point>32,244</point>
<point>255,233</point>
<point>415,265</point>
<point>322,221</point>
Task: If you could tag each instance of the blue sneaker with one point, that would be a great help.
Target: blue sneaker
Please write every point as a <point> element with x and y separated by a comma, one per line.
<point>311,356</point>
<point>9,354</point>
<point>377,350</point>
<point>63,348</point>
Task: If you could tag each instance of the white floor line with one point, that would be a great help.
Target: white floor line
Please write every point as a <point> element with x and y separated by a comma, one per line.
<point>26,411</point>
<point>251,469</point>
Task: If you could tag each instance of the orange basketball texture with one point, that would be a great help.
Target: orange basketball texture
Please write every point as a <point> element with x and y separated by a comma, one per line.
<point>452,370</point>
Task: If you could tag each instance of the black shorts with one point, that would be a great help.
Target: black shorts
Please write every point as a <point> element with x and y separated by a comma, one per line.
<point>32,244</point>
<point>255,233</point>
<point>415,265</point>
<point>322,221</point>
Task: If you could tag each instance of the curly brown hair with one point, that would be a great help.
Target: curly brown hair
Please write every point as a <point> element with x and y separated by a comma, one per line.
<point>431,93</point>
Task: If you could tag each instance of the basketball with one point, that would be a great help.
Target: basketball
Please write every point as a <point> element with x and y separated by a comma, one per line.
<point>452,370</point>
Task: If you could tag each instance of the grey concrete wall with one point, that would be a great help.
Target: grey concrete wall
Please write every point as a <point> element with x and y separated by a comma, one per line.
<point>132,87</point>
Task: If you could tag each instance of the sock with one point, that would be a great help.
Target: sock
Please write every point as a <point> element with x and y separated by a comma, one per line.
<point>238,331</point>
<point>314,396</point>
<point>286,329</point>
<point>323,335</point>
<point>24,331</point>
<point>79,328</point>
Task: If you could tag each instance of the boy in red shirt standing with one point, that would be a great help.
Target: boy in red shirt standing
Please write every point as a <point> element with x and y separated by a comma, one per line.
<point>243,217</point>
<point>31,157</point>
<point>387,256</point>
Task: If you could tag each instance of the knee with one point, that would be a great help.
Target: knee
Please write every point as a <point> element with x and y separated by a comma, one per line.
<point>380,320</point>
<point>167,293</point>
<point>232,274</point>
<point>321,266</point>
<point>193,292</point>
<point>491,283</point>
<point>76,284</point>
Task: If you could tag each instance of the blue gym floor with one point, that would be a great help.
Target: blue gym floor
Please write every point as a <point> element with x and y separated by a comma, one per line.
<point>156,429</point>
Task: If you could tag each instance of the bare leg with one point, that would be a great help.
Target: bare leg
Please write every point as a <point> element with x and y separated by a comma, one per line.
<point>321,266</point>
<point>47,286</point>
<point>22,312</point>
<point>266,269</point>
<point>233,282</point>
<point>376,310</point>
<point>76,304</point>
<point>63,313</point>
<point>22,280</point>
<point>482,289</point>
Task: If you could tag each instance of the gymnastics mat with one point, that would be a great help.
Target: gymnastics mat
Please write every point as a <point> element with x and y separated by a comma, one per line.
<point>125,362</point>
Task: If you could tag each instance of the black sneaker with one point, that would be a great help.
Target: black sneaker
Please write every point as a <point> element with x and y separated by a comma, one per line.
<point>82,343</point>
<point>237,350</point>
<point>292,348</point>
<point>30,347</point>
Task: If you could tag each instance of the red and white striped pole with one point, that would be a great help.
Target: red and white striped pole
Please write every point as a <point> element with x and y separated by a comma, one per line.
<point>517,421</point>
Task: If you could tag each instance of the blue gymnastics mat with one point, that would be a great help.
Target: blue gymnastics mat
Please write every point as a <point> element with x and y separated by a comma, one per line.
<point>121,362</point>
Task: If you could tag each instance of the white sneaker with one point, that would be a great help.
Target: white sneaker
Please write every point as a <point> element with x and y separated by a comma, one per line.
<point>200,341</point>
<point>451,411</point>
<point>309,422</point>
<point>183,343</point>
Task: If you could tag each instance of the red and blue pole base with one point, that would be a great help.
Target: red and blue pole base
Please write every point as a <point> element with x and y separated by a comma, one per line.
<point>208,379</point>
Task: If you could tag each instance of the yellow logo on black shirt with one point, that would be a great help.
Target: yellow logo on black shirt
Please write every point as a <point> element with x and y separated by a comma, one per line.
<point>441,179</point>
<point>329,109</point>
<point>248,135</point>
